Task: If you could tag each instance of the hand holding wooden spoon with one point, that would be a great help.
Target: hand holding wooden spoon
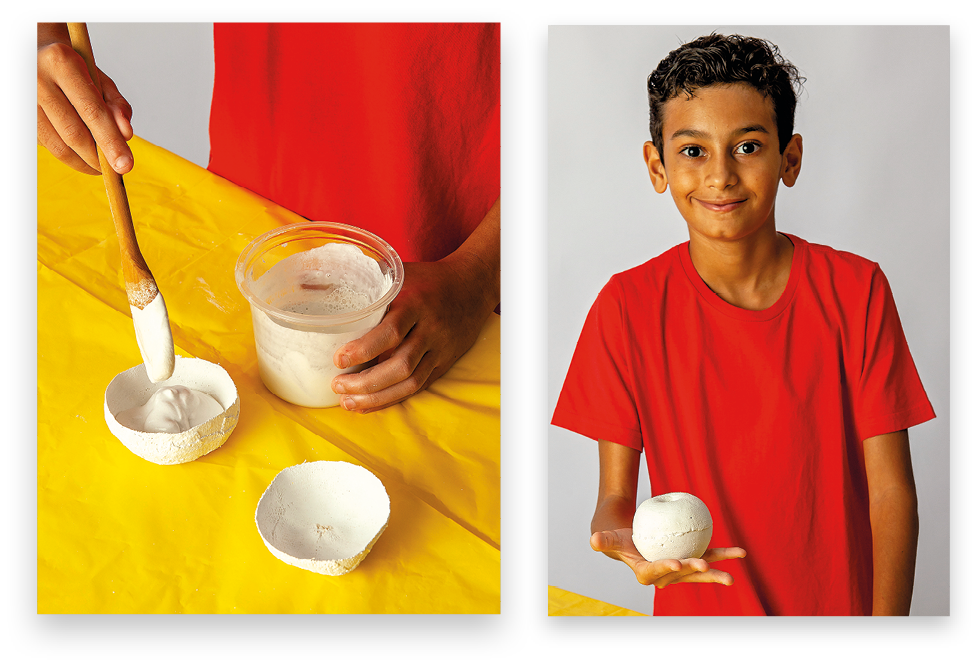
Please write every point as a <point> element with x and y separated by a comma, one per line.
<point>149,313</point>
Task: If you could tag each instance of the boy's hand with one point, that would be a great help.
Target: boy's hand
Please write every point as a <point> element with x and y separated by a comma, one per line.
<point>434,320</point>
<point>618,544</point>
<point>73,113</point>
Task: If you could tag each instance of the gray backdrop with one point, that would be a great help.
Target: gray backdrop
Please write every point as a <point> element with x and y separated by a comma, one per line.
<point>165,71</point>
<point>874,181</point>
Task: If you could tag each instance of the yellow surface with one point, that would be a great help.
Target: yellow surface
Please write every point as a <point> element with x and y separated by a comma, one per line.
<point>563,602</point>
<point>118,534</point>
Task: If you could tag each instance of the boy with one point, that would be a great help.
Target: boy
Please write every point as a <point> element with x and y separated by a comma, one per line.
<point>766,375</point>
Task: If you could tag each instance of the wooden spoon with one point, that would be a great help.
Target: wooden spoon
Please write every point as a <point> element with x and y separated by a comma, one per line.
<point>149,313</point>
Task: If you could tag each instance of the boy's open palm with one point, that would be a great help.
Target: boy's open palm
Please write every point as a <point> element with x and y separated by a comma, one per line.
<point>661,573</point>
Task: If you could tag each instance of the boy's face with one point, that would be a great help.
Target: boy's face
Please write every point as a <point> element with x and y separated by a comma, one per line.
<point>723,164</point>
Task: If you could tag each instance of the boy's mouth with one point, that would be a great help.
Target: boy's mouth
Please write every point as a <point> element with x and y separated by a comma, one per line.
<point>723,205</point>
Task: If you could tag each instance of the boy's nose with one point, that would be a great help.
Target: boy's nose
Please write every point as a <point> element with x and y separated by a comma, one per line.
<point>721,172</point>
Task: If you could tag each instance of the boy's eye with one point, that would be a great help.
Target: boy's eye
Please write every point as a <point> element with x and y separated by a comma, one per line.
<point>747,148</point>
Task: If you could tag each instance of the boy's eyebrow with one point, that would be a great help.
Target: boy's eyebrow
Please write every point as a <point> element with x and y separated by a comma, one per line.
<point>699,134</point>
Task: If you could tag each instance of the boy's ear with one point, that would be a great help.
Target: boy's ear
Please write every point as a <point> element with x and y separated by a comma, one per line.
<point>791,160</point>
<point>655,165</point>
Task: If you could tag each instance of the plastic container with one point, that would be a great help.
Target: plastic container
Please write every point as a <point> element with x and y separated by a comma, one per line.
<point>288,286</point>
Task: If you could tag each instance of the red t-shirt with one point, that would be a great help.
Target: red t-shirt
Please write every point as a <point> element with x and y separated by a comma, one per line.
<point>760,414</point>
<point>394,128</point>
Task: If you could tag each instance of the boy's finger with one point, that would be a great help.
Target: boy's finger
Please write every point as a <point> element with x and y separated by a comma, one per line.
<point>386,336</point>
<point>685,568</point>
<point>718,554</point>
<point>49,138</point>
<point>89,104</point>
<point>651,573</point>
<point>712,576</point>
<point>65,123</point>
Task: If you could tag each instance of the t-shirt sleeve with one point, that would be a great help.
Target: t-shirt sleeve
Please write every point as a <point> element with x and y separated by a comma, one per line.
<point>890,396</point>
<point>597,396</point>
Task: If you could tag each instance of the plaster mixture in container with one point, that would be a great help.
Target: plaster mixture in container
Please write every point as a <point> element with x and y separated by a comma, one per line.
<point>312,301</point>
<point>171,409</point>
<point>334,279</point>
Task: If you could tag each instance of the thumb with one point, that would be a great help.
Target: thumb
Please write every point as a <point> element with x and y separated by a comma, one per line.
<point>120,108</point>
<point>606,542</point>
<point>122,113</point>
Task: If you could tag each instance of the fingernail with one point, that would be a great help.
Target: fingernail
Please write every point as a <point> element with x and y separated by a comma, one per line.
<point>338,387</point>
<point>343,362</point>
<point>123,162</point>
<point>348,403</point>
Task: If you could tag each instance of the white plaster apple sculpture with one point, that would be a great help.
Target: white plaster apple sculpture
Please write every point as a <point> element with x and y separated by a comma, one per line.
<point>672,526</point>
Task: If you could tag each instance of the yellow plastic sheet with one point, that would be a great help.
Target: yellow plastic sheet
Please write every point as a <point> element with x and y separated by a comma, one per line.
<point>562,602</point>
<point>118,534</point>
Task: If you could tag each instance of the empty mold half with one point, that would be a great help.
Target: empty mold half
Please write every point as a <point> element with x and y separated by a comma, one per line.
<point>133,388</point>
<point>323,516</point>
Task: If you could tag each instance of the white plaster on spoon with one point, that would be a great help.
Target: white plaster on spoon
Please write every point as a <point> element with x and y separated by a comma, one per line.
<point>155,338</point>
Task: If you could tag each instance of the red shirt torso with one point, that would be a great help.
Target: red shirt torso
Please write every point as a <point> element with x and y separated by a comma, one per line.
<point>394,128</point>
<point>760,414</point>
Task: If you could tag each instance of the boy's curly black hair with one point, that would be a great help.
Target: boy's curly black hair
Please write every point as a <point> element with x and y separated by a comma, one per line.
<point>716,59</point>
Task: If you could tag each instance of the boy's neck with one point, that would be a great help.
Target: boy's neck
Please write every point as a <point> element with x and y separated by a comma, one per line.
<point>750,273</point>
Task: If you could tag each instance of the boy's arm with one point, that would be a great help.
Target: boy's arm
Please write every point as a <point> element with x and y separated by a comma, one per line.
<point>619,472</point>
<point>893,521</point>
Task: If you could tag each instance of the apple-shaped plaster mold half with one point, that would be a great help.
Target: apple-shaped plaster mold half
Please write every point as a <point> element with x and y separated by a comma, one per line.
<point>133,388</point>
<point>323,516</point>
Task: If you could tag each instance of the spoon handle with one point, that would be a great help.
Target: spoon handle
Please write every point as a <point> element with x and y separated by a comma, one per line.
<point>140,286</point>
